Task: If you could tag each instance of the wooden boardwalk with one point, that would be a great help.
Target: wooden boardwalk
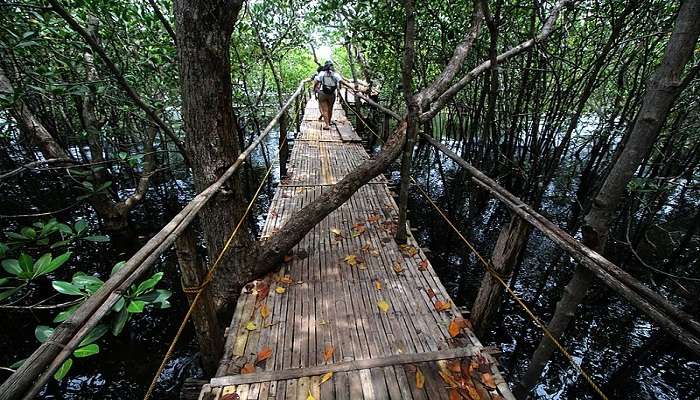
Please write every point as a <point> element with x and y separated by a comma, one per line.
<point>351,315</point>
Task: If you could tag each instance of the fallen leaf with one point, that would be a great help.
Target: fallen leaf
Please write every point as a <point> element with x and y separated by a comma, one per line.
<point>358,229</point>
<point>326,377</point>
<point>280,289</point>
<point>328,352</point>
<point>350,259</point>
<point>231,396</point>
<point>420,379</point>
<point>285,280</point>
<point>367,246</point>
<point>408,250</point>
<point>251,326</point>
<point>264,311</point>
<point>398,268</point>
<point>373,218</point>
<point>454,394</point>
<point>374,253</point>
<point>263,290</point>
<point>378,284</point>
<point>383,305</point>
<point>263,354</point>
<point>310,396</point>
<point>430,292</point>
<point>443,305</point>
<point>454,328</point>
<point>248,368</point>
<point>336,232</point>
<point>423,265</point>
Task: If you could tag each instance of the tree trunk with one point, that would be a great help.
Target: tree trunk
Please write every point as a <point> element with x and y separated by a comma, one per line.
<point>203,32</point>
<point>661,92</point>
<point>505,255</point>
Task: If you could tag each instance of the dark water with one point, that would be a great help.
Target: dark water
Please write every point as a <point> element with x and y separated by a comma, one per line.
<point>605,334</point>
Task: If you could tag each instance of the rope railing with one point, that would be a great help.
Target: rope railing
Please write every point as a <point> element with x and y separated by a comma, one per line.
<point>37,369</point>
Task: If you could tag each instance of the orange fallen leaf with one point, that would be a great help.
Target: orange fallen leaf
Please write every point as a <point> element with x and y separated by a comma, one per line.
<point>263,354</point>
<point>423,265</point>
<point>358,229</point>
<point>383,305</point>
<point>454,395</point>
<point>328,352</point>
<point>420,379</point>
<point>378,284</point>
<point>443,305</point>
<point>455,328</point>
<point>408,250</point>
<point>264,311</point>
<point>248,368</point>
<point>263,290</point>
<point>285,279</point>
<point>326,377</point>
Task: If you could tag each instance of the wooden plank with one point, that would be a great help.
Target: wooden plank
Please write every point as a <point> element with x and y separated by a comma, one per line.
<point>294,373</point>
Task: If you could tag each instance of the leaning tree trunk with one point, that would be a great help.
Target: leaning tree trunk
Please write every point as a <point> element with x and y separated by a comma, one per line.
<point>662,90</point>
<point>203,32</point>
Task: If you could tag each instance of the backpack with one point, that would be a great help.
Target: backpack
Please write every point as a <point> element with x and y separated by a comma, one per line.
<point>328,83</point>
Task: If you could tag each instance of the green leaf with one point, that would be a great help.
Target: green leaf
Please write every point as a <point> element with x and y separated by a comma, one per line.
<point>97,238</point>
<point>80,225</point>
<point>65,229</point>
<point>12,266</point>
<point>92,283</point>
<point>117,267</point>
<point>63,370</point>
<point>95,334</point>
<point>66,288</point>
<point>56,263</point>
<point>87,351</point>
<point>41,264</point>
<point>149,283</point>
<point>16,236</point>
<point>28,232</point>
<point>27,265</point>
<point>8,293</point>
<point>3,249</point>
<point>120,321</point>
<point>17,364</point>
<point>60,244</point>
<point>136,306</point>
<point>119,305</point>
<point>4,281</point>
<point>64,315</point>
<point>43,333</point>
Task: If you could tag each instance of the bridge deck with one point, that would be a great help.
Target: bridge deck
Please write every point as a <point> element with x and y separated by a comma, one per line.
<point>348,301</point>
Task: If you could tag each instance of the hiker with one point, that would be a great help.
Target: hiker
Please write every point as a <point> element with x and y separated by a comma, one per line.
<point>325,84</point>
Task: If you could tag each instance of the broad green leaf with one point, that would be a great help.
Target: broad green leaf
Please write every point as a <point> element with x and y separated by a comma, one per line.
<point>117,267</point>
<point>27,265</point>
<point>64,315</point>
<point>41,264</point>
<point>28,232</point>
<point>120,321</point>
<point>3,249</point>
<point>16,236</point>
<point>87,351</point>
<point>56,263</point>
<point>136,306</point>
<point>12,266</point>
<point>4,281</point>
<point>87,281</point>
<point>80,225</point>
<point>95,334</point>
<point>17,364</point>
<point>43,333</point>
<point>8,293</point>
<point>149,283</point>
<point>67,288</point>
<point>63,370</point>
<point>119,305</point>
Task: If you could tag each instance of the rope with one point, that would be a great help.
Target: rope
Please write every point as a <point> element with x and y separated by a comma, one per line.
<point>208,278</point>
<point>500,280</point>
<point>510,291</point>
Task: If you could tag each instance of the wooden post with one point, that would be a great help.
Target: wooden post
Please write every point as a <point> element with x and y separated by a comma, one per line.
<point>505,254</point>
<point>206,324</point>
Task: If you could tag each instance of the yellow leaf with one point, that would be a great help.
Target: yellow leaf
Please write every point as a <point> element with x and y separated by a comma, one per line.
<point>351,259</point>
<point>280,289</point>
<point>378,284</point>
<point>420,379</point>
<point>336,232</point>
<point>383,305</point>
<point>264,311</point>
<point>251,326</point>
<point>310,396</point>
<point>326,377</point>
<point>398,268</point>
<point>285,279</point>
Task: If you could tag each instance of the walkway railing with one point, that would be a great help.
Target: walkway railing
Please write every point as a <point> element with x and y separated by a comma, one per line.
<point>37,369</point>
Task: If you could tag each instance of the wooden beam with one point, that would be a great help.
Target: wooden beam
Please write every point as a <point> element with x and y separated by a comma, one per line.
<point>345,366</point>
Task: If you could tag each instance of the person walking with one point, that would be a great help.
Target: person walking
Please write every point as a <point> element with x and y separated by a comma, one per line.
<point>326,83</point>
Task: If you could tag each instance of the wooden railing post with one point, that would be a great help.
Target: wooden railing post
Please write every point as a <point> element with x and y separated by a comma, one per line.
<point>206,324</point>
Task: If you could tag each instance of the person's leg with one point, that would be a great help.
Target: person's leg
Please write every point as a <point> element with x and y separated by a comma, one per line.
<point>324,101</point>
<point>331,104</point>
